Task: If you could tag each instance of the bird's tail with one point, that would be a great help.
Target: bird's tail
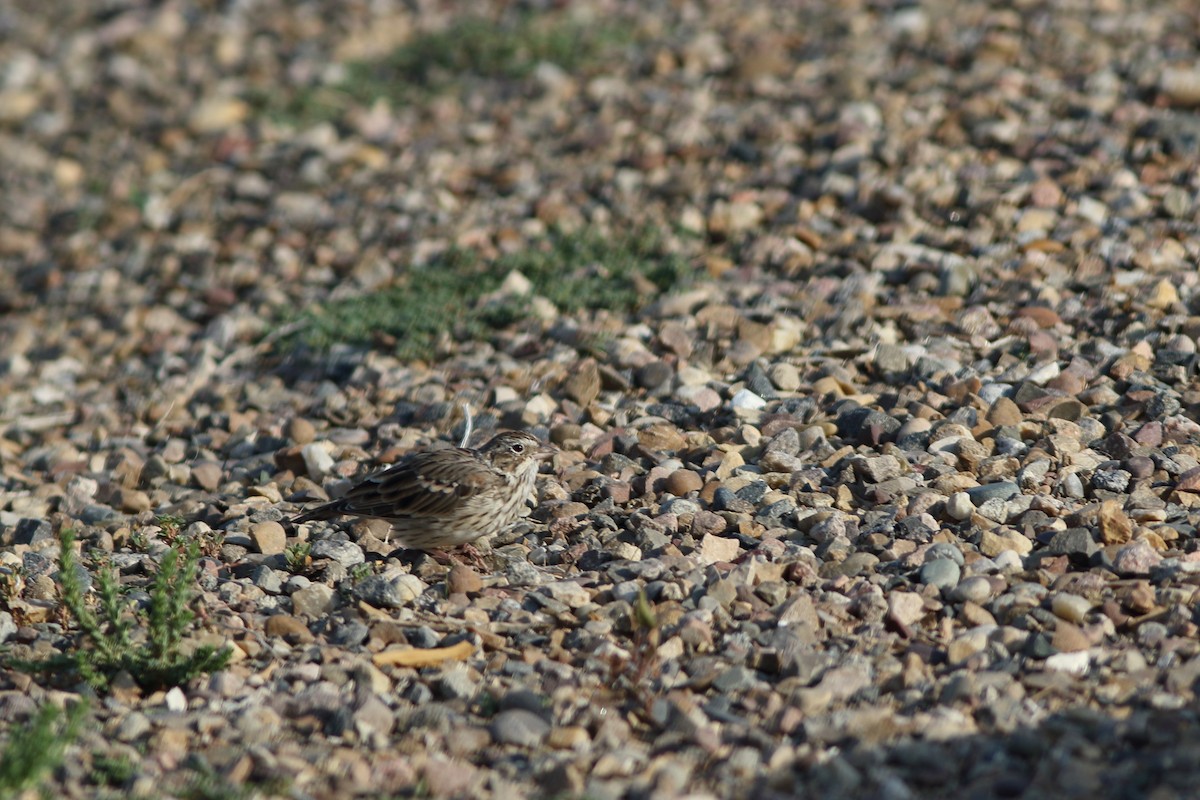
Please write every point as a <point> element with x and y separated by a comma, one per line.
<point>327,511</point>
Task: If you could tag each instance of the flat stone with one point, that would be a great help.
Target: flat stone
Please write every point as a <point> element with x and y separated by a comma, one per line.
<point>519,727</point>
<point>345,553</point>
<point>1000,490</point>
<point>388,590</point>
<point>714,549</point>
<point>315,600</point>
<point>268,537</point>
<point>288,628</point>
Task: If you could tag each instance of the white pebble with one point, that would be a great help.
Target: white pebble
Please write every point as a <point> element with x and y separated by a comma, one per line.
<point>959,506</point>
<point>747,399</point>
<point>317,461</point>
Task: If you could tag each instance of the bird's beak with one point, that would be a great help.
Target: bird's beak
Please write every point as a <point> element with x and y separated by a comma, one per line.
<point>544,452</point>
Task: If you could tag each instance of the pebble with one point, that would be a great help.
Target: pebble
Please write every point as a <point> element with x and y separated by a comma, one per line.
<point>941,573</point>
<point>1136,558</point>
<point>313,601</point>
<point>268,537</point>
<point>1070,607</point>
<point>959,506</point>
<point>520,727</point>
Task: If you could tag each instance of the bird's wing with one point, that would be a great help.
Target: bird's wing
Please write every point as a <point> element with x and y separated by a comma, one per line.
<point>423,484</point>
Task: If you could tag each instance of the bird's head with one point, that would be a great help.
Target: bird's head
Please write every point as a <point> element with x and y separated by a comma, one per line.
<point>511,450</point>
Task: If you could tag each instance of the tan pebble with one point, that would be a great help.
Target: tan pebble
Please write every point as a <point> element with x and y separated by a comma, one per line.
<point>570,737</point>
<point>975,615</point>
<point>907,607</point>
<point>463,580</point>
<point>1004,412</point>
<point>1069,638</point>
<point>300,430</point>
<point>714,549</point>
<point>682,481</point>
<point>288,628</point>
<point>1115,525</point>
<point>207,475</point>
<point>269,537</point>
<point>732,460</point>
<point>134,501</point>
<point>583,384</point>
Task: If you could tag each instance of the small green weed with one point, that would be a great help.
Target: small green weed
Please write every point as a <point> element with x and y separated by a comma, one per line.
<point>475,46</point>
<point>298,557</point>
<point>470,47</point>
<point>171,524</point>
<point>148,643</point>
<point>36,748</point>
<point>583,270</point>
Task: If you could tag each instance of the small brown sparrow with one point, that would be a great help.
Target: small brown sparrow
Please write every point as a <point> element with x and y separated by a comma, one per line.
<point>436,499</point>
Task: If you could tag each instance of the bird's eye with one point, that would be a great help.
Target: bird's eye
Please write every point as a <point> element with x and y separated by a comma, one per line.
<point>518,448</point>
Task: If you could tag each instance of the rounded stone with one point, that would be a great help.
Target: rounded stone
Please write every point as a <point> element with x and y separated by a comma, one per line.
<point>941,573</point>
<point>682,481</point>
<point>463,580</point>
<point>959,506</point>
<point>520,727</point>
<point>975,589</point>
<point>300,430</point>
<point>1070,607</point>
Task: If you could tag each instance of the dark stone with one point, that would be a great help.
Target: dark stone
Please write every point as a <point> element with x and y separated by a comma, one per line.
<point>776,515</point>
<point>1111,480</point>
<point>348,634</point>
<point>725,500</point>
<point>753,492</point>
<point>653,376</point>
<point>866,425</point>
<point>1075,543</point>
<point>32,531</point>
<point>757,381</point>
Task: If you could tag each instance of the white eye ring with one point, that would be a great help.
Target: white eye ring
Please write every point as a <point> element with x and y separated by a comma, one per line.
<point>518,448</point>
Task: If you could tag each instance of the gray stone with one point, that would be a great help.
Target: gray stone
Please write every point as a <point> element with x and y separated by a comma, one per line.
<point>1077,543</point>
<point>976,589</point>
<point>267,579</point>
<point>941,572</point>
<point>349,634</point>
<point>314,601</point>
<point>735,679</point>
<point>1001,490</point>
<point>456,683</point>
<point>944,550</point>
<point>388,591</point>
<point>345,553</point>
<point>1111,480</point>
<point>518,726</point>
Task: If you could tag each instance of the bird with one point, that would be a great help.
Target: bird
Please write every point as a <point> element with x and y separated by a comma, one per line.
<point>439,499</point>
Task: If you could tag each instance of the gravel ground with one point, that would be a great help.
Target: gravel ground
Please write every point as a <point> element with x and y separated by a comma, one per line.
<point>895,496</point>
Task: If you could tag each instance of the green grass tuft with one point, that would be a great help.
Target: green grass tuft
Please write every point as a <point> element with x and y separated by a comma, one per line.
<point>432,62</point>
<point>119,635</point>
<point>36,748</point>
<point>587,270</point>
<point>474,46</point>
